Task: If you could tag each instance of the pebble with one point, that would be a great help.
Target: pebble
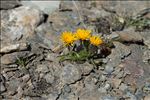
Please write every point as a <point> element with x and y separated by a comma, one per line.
<point>109,69</point>
<point>107,86</point>
<point>49,78</point>
<point>67,89</point>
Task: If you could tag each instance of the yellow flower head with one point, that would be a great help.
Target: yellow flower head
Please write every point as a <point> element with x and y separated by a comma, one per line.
<point>83,34</point>
<point>68,38</point>
<point>96,40</point>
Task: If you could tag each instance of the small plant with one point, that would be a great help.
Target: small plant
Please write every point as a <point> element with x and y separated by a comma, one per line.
<point>139,23</point>
<point>82,45</point>
<point>21,62</point>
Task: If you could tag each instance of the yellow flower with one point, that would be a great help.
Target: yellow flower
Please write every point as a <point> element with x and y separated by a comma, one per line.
<point>83,34</point>
<point>68,38</point>
<point>96,40</point>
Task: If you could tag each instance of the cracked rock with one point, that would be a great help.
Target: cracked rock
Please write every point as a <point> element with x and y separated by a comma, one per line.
<point>86,68</point>
<point>118,53</point>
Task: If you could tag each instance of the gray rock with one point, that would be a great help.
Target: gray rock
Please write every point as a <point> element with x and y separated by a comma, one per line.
<point>102,90</point>
<point>67,89</point>
<point>7,4</point>
<point>95,14</point>
<point>26,78</point>
<point>18,73</point>
<point>12,86</point>
<point>70,73</point>
<point>47,35</point>
<point>13,57</point>
<point>109,69</point>
<point>31,98</point>
<point>14,47</point>
<point>123,87</point>
<point>86,68</point>
<point>42,68</point>
<point>90,82</point>
<point>2,88</point>
<point>2,78</point>
<point>135,66</point>
<point>109,98</point>
<point>90,95</point>
<point>146,56</point>
<point>117,54</point>
<point>107,86</point>
<point>7,60</point>
<point>129,35</point>
<point>71,21</point>
<point>49,78</point>
<point>19,92</point>
<point>116,82</point>
<point>10,66</point>
<point>66,6</point>
<point>55,69</point>
<point>146,40</point>
<point>113,36</point>
<point>131,96</point>
<point>102,78</point>
<point>7,76</point>
<point>120,74</point>
<point>139,94</point>
<point>51,96</point>
<point>122,50</point>
<point>52,57</point>
<point>19,23</point>
<point>46,6</point>
<point>130,8</point>
<point>69,96</point>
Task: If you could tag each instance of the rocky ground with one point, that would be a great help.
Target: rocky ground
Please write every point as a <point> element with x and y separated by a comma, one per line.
<point>30,46</point>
